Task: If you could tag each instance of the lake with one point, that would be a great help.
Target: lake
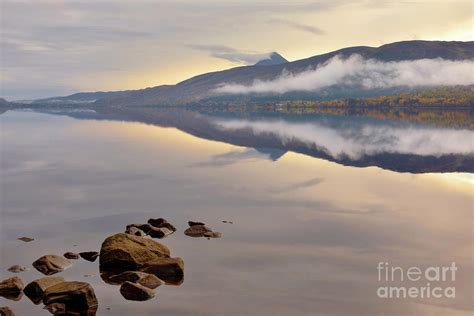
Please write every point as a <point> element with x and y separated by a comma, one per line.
<point>317,201</point>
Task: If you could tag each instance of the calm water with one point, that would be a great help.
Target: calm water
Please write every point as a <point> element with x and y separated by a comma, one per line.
<point>308,232</point>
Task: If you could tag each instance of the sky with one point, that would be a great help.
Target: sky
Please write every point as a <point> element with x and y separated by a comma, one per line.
<point>52,47</point>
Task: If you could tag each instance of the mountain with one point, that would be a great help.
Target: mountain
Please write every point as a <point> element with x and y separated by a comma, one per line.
<point>77,98</point>
<point>201,87</point>
<point>273,59</point>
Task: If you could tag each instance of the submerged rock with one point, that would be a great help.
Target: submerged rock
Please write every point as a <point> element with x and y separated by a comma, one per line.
<point>161,223</point>
<point>71,255</point>
<point>197,231</point>
<point>132,230</point>
<point>148,280</point>
<point>170,270</point>
<point>74,295</point>
<point>6,311</point>
<point>26,239</point>
<point>11,288</point>
<point>213,235</point>
<point>35,290</point>
<point>143,227</point>
<point>16,269</point>
<point>89,255</point>
<point>136,292</point>
<point>124,252</point>
<point>51,264</point>
<point>159,232</point>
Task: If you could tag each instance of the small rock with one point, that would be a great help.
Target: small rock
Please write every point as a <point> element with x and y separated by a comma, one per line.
<point>89,255</point>
<point>148,280</point>
<point>75,295</point>
<point>213,234</point>
<point>51,264</point>
<point>56,308</point>
<point>35,289</point>
<point>136,292</point>
<point>26,239</point>
<point>132,230</point>
<point>170,270</point>
<point>161,223</point>
<point>143,227</point>
<point>197,231</point>
<point>159,232</point>
<point>16,269</point>
<point>11,288</point>
<point>191,223</point>
<point>6,311</point>
<point>228,222</point>
<point>71,255</point>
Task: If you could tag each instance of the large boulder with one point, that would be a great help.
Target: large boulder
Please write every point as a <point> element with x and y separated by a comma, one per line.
<point>148,280</point>
<point>35,290</point>
<point>51,264</point>
<point>170,270</point>
<point>136,292</point>
<point>74,295</point>
<point>124,252</point>
<point>11,288</point>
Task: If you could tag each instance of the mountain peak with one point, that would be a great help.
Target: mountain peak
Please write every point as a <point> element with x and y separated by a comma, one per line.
<point>273,59</point>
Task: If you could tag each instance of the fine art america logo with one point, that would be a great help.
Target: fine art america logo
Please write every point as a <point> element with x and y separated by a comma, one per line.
<point>416,282</point>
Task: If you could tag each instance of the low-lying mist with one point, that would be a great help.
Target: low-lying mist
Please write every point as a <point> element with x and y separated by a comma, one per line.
<point>364,73</point>
<point>357,141</point>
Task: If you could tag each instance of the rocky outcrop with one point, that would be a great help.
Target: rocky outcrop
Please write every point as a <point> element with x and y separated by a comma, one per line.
<point>170,270</point>
<point>35,289</point>
<point>51,264</point>
<point>198,229</point>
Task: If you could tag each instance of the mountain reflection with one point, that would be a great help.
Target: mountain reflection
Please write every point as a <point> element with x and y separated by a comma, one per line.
<point>351,140</point>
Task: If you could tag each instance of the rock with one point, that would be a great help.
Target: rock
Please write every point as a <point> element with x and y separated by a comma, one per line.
<point>228,222</point>
<point>35,290</point>
<point>136,292</point>
<point>6,311</point>
<point>143,227</point>
<point>71,255</point>
<point>89,255</point>
<point>197,231</point>
<point>16,269</point>
<point>213,235</point>
<point>191,224</point>
<point>124,252</point>
<point>148,280</point>
<point>75,295</point>
<point>11,288</point>
<point>159,232</point>
<point>26,239</point>
<point>56,308</point>
<point>51,264</point>
<point>170,270</point>
<point>161,223</point>
<point>132,230</point>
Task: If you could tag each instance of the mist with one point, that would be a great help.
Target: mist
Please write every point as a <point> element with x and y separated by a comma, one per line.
<point>363,73</point>
<point>357,141</point>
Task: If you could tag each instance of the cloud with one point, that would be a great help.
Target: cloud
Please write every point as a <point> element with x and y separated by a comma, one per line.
<point>231,54</point>
<point>299,26</point>
<point>357,141</point>
<point>364,73</point>
<point>233,157</point>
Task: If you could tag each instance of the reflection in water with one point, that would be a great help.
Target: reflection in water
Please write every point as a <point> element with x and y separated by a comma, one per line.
<point>307,234</point>
<point>348,140</point>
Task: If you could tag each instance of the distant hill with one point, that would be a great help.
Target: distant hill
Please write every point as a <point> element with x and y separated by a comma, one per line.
<point>79,98</point>
<point>200,87</point>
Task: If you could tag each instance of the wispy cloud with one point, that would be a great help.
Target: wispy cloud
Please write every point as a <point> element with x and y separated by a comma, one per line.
<point>299,26</point>
<point>231,54</point>
<point>363,73</point>
<point>298,186</point>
